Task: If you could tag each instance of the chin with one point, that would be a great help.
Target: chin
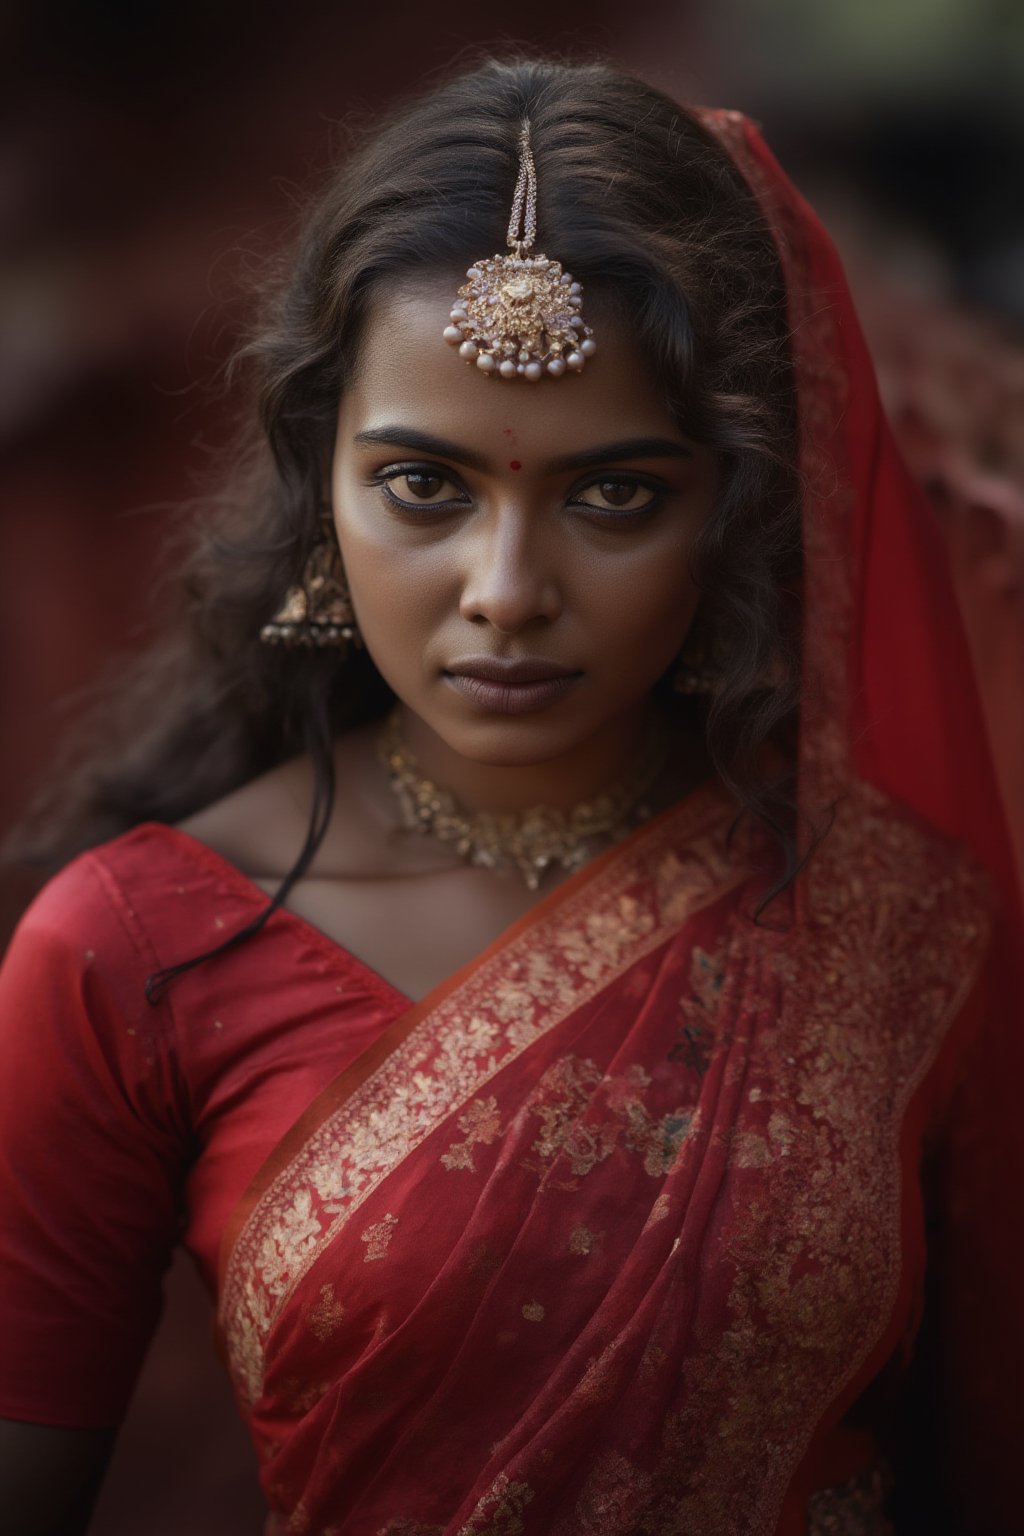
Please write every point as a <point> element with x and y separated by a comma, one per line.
<point>500,743</point>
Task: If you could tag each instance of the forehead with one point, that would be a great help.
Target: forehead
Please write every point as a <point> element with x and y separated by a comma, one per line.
<point>407,373</point>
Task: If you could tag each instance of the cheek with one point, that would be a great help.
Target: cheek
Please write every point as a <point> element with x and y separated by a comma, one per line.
<point>645,605</point>
<point>400,592</point>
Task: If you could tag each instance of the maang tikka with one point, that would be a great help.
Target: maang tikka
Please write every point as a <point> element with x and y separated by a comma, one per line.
<point>318,610</point>
<point>518,315</point>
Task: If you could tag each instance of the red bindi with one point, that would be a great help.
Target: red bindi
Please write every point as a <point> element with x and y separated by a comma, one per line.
<point>514,464</point>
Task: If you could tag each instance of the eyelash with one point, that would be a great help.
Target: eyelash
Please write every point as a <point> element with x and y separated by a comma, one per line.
<point>423,510</point>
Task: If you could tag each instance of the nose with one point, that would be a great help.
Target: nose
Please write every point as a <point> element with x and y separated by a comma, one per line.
<point>509,578</point>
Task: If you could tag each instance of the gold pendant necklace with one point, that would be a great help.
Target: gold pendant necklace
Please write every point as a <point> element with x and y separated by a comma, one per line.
<point>531,840</point>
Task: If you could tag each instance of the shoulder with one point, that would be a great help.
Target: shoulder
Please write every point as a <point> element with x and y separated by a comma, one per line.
<point>118,910</point>
<point>260,827</point>
<point>898,930</point>
<point>884,862</point>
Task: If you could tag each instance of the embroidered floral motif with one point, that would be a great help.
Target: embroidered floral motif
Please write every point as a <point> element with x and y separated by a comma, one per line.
<point>326,1315</point>
<point>865,992</point>
<point>299,1394</point>
<point>659,1210</point>
<point>855,1508</point>
<point>570,1088</point>
<point>500,1511</point>
<point>602,1378</point>
<point>299,1523</point>
<point>697,1011</point>
<point>480,1123</point>
<point>559,1101</point>
<point>582,1240</point>
<point>658,1141</point>
<point>378,1237</point>
<point>612,1495</point>
<point>533,1312</point>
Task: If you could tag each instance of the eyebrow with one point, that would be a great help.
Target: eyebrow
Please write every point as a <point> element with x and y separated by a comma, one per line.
<point>603,453</point>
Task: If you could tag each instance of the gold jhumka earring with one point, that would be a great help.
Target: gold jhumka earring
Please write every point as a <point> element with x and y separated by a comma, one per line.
<point>699,671</point>
<point>691,678</point>
<point>318,610</point>
<point>517,315</point>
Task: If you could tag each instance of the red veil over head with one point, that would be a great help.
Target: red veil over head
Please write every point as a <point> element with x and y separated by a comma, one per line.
<point>890,701</point>
<point>891,697</point>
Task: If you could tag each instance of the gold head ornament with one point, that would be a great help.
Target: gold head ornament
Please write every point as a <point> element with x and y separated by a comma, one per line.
<point>518,315</point>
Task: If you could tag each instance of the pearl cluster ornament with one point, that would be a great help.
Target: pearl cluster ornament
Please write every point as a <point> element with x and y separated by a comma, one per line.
<point>518,316</point>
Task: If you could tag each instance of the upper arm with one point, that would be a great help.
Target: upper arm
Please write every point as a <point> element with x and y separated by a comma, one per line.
<point>90,1161</point>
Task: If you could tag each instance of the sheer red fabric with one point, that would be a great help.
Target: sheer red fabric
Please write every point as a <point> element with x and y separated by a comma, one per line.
<point>882,625</point>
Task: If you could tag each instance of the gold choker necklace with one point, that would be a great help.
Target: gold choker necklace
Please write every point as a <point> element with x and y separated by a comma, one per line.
<point>531,840</point>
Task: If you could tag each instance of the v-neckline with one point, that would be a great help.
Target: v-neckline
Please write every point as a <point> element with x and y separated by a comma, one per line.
<point>205,854</point>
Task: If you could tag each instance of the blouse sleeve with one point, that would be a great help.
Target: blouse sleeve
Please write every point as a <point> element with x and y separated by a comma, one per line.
<point>91,1154</point>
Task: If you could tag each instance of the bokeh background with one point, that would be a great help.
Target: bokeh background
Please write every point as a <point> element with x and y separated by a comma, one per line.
<point>156,153</point>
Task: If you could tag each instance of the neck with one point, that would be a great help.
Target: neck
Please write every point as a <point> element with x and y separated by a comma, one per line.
<point>561,782</point>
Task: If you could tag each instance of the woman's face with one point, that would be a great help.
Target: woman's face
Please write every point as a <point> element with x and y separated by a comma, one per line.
<point>484,522</point>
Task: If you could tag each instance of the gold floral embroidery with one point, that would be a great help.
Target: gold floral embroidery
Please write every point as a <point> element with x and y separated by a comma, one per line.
<point>480,1123</point>
<point>483,1258</point>
<point>559,1101</point>
<point>529,986</point>
<point>533,1312</point>
<point>325,1317</point>
<point>854,1508</point>
<point>613,1494</point>
<point>378,1237</point>
<point>853,1007</point>
<point>660,1209</point>
<point>299,1521</point>
<point>582,1240</point>
<point>299,1394</point>
<point>602,1378</point>
<point>698,1010</point>
<point>658,1141</point>
<point>564,1094</point>
<point>500,1511</point>
<point>866,989</point>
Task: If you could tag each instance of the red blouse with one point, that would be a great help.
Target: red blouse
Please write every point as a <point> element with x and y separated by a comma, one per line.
<point>128,1128</point>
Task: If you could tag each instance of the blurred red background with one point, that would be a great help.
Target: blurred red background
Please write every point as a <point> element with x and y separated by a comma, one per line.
<point>156,154</point>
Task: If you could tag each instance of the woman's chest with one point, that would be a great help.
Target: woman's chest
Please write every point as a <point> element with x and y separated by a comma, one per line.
<point>417,930</point>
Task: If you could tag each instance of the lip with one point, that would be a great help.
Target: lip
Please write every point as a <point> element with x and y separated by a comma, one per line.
<point>511,688</point>
<point>494,669</point>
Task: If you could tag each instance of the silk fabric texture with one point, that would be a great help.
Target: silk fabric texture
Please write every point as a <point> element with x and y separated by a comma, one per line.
<point>610,1232</point>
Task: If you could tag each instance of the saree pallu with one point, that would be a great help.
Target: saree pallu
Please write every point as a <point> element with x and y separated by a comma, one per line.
<point>598,1236</point>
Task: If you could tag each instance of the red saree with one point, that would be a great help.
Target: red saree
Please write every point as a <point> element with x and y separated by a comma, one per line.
<point>615,1230</point>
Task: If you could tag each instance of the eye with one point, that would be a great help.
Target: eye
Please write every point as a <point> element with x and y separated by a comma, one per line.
<point>419,485</point>
<point>623,495</point>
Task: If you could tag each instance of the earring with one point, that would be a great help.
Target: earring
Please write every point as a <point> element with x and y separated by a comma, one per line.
<point>697,673</point>
<point>318,610</point>
<point>689,679</point>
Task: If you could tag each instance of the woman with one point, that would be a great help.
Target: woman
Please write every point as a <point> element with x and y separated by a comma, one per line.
<point>559,1142</point>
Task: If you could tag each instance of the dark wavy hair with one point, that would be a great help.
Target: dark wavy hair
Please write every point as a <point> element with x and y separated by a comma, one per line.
<point>637,199</point>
